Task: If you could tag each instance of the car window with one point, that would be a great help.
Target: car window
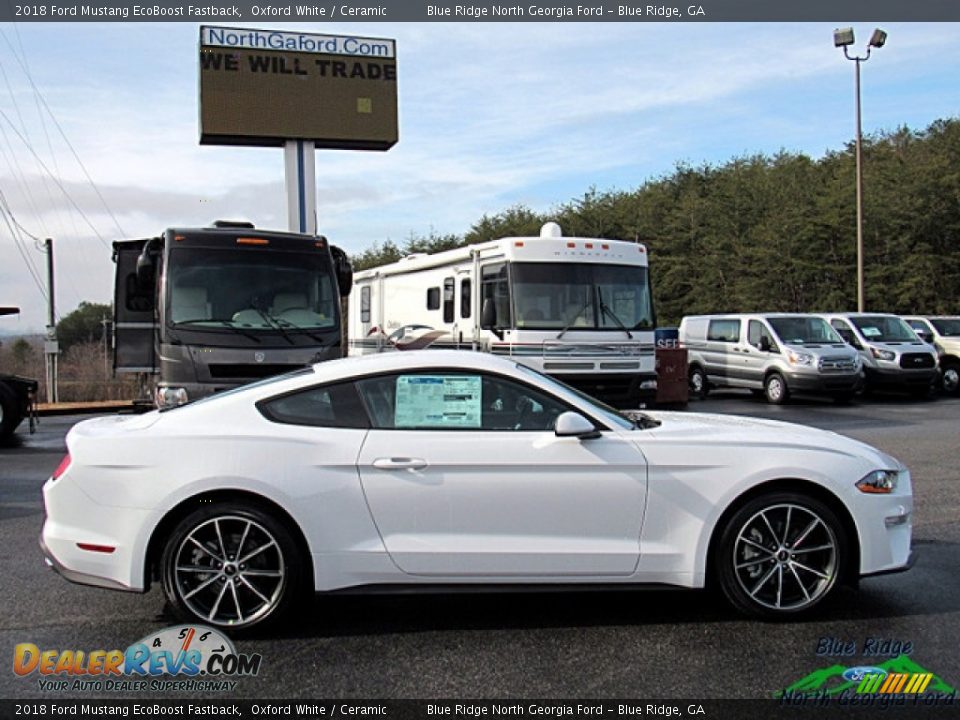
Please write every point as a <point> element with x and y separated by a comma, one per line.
<point>757,330</point>
<point>724,330</point>
<point>335,406</point>
<point>456,401</point>
<point>846,332</point>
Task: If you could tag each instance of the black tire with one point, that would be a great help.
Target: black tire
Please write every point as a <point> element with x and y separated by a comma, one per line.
<point>10,414</point>
<point>231,594</point>
<point>697,380</point>
<point>950,378</point>
<point>759,567</point>
<point>775,389</point>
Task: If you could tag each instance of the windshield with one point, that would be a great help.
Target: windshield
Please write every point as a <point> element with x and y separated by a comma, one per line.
<point>804,330</point>
<point>582,297</point>
<point>604,411</point>
<point>947,327</point>
<point>250,290</point>
<point>882,328</point>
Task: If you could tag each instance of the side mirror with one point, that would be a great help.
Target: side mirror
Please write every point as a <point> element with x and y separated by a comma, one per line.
<point>146,270</point>
<point>343,270</point>
<point>488,317</point>
<point>571,424</point>
<point>764,344</point>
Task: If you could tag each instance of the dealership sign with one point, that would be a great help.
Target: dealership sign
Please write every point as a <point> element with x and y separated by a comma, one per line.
<point>264,87</point>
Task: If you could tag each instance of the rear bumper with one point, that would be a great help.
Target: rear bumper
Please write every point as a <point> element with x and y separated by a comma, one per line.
<point>78,577</point>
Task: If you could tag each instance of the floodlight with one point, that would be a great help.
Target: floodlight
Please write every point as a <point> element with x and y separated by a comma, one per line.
<point>843,37</point>
<point>878,38</point>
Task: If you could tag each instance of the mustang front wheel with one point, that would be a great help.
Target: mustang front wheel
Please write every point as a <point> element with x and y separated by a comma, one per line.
<point>780,554</point>
<point>230,565</point>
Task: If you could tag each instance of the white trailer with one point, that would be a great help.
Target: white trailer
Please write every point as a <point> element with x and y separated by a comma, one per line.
<point>579,309</point>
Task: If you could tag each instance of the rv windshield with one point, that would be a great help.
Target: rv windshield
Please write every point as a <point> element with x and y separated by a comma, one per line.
<point>882,328</point>
<point>581,297</point>
<point>804,330</point>
<point>250,290</point>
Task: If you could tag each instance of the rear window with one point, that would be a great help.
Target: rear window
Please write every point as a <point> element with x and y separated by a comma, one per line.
<point>333,406</point>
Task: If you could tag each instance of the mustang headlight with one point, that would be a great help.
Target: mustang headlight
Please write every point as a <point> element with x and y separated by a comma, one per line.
<point>798,358</point>
<point>168,397</point>
<point>879,482</point>
<point>883,354</point>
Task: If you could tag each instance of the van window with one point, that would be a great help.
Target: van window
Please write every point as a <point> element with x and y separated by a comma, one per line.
<point>725,330</point>
<point>433,298</point>
<point>846,332</point>
<point>757,330</point>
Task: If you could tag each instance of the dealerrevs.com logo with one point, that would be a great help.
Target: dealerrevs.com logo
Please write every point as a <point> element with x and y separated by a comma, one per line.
<point>183,657</point>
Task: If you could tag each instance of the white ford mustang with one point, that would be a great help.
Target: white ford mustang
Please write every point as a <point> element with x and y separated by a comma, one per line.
<point>436,468</point>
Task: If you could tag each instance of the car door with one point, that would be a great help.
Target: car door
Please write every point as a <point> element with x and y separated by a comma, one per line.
<point>464,476</point>
<point>753,356</point>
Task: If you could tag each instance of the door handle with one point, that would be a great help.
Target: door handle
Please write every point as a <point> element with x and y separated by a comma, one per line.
<point>399,463</point>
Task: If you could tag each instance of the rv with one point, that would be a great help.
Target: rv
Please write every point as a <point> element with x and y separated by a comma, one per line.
<point>578,309</point>
<point>197,311</point>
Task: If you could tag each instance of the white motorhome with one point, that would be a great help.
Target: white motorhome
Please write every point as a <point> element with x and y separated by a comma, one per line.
<point>579,309</point>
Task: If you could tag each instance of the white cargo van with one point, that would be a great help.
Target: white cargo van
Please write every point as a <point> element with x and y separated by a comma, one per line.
<point>774,354</point>
<point>892,354</point>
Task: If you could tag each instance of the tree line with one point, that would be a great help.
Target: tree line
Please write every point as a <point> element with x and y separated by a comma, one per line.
<point>773,232</point>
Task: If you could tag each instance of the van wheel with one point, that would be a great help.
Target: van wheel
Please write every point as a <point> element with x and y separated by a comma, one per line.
<point>951,378</point>
<point>775,389</point>
<point>698,383</point>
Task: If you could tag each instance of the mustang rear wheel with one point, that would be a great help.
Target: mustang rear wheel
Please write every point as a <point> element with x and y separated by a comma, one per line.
<point>231,565</point>
<point>780,554</point>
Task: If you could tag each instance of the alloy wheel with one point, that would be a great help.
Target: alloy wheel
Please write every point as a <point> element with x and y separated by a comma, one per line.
<point>785,557</point>
<point>230,570</point>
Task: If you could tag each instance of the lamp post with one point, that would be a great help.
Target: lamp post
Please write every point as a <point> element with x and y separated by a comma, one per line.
<point>843,37</point>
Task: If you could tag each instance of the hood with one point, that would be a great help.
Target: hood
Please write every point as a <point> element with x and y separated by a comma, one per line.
<point>705,429</point>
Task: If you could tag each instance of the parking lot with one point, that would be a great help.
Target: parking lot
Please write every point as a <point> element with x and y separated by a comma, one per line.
<point>667,644</point>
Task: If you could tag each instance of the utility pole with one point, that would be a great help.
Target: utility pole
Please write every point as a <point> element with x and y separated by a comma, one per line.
<point>51,348</point>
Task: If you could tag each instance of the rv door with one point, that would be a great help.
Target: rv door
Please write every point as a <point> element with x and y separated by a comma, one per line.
<point>134,308</point>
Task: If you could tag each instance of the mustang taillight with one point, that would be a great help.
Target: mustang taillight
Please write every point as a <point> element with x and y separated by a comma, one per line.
<point>62,467</point>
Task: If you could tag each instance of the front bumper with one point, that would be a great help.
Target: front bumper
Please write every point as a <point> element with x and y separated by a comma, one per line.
<point>901,378</point>
<point>911,559</point>
<point>824,383</point>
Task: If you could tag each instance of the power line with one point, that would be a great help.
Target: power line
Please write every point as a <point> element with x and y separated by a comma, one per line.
<point>11,222</point>
<point>55,179</point>
<point>53,117</point>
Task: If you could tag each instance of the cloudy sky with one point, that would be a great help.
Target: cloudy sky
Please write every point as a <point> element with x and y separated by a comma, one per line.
<point>491,115</point>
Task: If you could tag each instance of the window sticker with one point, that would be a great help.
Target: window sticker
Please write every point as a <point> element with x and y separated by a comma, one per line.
<point>441,401</point>
<point>871,332</point>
